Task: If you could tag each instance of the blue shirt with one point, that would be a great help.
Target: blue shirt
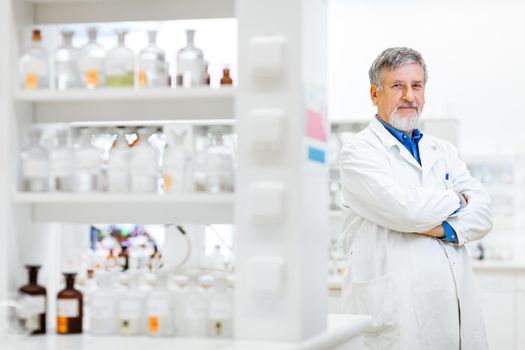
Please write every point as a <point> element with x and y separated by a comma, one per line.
<point>412,145</point>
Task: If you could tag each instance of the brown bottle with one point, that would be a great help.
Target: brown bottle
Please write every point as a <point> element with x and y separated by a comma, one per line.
<point>38,293</point>
<point>69,307</point>
<point>226,79</point>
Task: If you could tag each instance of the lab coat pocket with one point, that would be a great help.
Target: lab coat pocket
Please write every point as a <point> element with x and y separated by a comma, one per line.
<point>374,297</point>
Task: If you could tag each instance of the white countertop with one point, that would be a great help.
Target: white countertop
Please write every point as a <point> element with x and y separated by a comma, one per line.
<point>341,328</point>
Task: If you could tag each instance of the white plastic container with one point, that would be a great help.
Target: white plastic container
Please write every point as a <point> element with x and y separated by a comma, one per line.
<point>118,165</point>
<point>103,305</point>
<point>159,308</point>
<point>131,308</point>
<point>144,164</point>
<point>221,309</point>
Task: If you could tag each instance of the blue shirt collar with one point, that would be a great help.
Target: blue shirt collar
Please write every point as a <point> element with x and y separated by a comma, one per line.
<point>398,134</point>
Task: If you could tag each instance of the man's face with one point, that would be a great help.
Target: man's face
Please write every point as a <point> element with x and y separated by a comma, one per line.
<point>401,98</point>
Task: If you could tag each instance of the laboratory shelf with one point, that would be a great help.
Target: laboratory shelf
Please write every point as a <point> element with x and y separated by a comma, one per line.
<point>130,104</point>
<point>198,208</point>
<point>341,329</point>
<point>85,11</point>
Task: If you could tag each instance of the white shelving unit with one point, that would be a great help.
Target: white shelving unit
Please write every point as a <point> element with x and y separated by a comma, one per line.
<point>284,248</point>
<point>129,208</point>
<point>129,104</point>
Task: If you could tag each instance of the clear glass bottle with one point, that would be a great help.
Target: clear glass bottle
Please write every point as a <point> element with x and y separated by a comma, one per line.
<point>195,303</point>
<point>119,64</point>
<point>221,309</point>
<point>191,68</point>
<point>91,62</point>
<point>144,164</point>
<point>34,65</point>
<point>86,164</point>
<point>219,163</point>
<point>118,164</point>
<point>103,305</point>
<point>176,163</point>
<point>34,164</point>
<point>69,307</point>
<point>66,57</point>
<point>131,308</point>
<point>153,69</point>
<point>159,307</point>
<point>61,163</point>
<point>201,143</point>
<point>37,293</point>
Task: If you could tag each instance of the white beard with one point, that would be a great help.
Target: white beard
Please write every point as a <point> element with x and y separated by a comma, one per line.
<point>406,124</point>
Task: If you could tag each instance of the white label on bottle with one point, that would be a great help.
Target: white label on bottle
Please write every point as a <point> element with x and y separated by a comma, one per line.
<point>38,304</point>
<point>101,308</point>
<point>67,308</point>
<point>34,168</point>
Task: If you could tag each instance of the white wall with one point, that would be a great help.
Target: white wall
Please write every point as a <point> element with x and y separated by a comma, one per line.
<point>474,51</point>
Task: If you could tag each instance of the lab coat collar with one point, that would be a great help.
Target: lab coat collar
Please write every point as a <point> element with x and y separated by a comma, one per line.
<point>390,141</point>
<point>427,148</point>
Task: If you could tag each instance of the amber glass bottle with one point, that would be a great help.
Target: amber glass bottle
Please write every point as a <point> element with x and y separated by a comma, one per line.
<point>38,294</point>
<point>226,79</point>
<point>69,307</point>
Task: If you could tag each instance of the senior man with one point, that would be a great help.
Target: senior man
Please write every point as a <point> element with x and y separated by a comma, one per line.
<point>410,205</point>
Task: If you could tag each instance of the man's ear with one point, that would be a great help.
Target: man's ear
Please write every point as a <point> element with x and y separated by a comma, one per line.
<point>373,94</point>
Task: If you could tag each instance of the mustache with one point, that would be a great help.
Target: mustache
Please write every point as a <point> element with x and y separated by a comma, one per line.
<point>407,104</point>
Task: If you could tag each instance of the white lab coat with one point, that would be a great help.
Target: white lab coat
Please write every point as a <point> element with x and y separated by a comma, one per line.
<point>411,284</point>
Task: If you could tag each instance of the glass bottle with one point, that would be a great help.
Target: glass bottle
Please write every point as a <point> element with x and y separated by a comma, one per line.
<point>159,307</point>
<point>37,293</point>
<point>118,164</point>
<point>103,305</point>
<point>66,63</point>
<point>221,309</point>
<point>190,63</point>
<point>144,164</point>
<point>69,307</point>
<point>226,78</point>
<point>178,297</point>
<point>176,163</point>
<point>131,308</point>
<point>61,163</point>
<point>152,64</point>
<point>119,64</point>
<point>86,164</point>
<point>34,65</point>
<point>34,163</point>
<point>194,322</point>
<point>123,258</point>
<point>201,143</point>
<point>219,163</point>
<point>91,61</point>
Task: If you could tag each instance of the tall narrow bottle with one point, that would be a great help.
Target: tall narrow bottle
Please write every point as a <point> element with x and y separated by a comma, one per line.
<point>191,68</point>
<point>221,309</point>
<point>144,164</point>
<point>159,307</point>
<point>194,321</point>
<point>219,163</point>
<point>38,295</point>
<point>119,65</point>
<point>86,164</point>
<point>69,307</point>
<point>131,308</point>
<point>66,63</point>
<point>34,65</point>
<point>104,303</point>
<point>118,164</point>
<point>153,70</point>
<point>61,163</point>
<point>91,62</point>
<point>34,164</point>
<point>176,163</point>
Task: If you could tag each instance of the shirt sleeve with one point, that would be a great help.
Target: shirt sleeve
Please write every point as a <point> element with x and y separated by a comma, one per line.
<point>450,233</point>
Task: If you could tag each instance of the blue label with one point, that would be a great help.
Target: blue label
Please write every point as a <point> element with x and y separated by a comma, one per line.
<point>317,155</point>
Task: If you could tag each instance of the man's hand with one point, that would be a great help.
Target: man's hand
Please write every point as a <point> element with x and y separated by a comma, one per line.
<point>464,200</point>
<point>438,232</point>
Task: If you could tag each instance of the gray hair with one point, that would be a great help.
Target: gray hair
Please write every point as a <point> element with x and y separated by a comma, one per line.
<point>394,58</point>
